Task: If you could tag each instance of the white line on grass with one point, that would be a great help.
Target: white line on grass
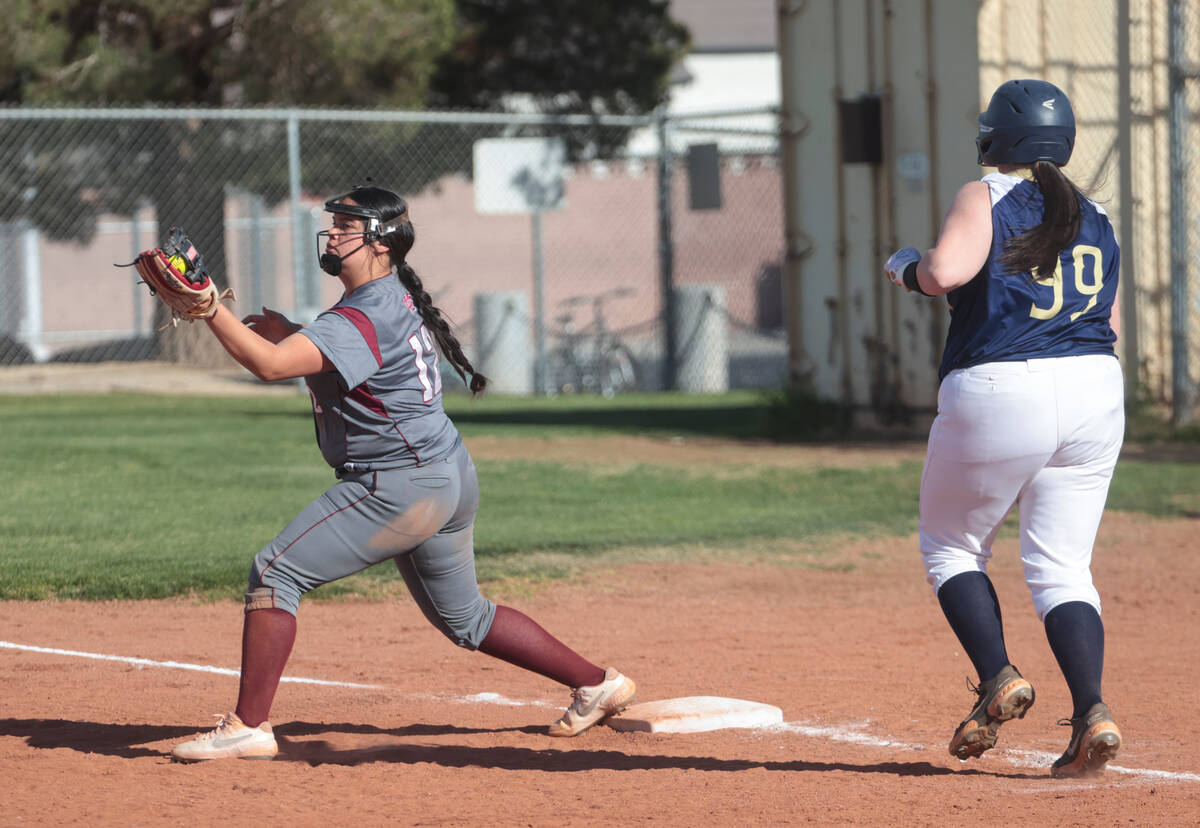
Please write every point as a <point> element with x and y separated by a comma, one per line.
<point>851,733</point>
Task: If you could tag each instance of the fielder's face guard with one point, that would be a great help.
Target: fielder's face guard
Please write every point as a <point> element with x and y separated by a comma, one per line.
<point>370,216</point>
<point>373,229</point>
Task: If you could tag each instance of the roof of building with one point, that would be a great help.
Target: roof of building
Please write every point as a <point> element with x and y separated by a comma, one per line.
<point>728,25</point>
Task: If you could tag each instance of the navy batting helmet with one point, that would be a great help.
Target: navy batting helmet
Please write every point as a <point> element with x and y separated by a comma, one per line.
<point>1026,121</point>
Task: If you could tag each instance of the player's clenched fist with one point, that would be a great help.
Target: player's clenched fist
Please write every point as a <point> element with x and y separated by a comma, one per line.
<point>898,262</point>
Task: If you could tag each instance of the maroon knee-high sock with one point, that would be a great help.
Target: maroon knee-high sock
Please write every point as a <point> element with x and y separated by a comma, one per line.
<point>267,638</point>
<point>518,639</point>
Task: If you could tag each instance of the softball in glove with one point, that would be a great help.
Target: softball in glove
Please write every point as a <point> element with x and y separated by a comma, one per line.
<point>176,274</point>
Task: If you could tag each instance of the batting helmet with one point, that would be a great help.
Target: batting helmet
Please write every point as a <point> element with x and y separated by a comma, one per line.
<point>1026,121</point>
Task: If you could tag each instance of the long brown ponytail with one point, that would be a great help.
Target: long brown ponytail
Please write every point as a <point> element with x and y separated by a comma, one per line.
<point>1037,250</point>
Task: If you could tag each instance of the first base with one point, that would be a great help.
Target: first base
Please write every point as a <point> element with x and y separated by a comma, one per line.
<point>695,714</point>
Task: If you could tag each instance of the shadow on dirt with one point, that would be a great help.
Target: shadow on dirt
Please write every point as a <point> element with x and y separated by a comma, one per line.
<point>125,740</point>
<point>129,741</point>
<point>317,752</point>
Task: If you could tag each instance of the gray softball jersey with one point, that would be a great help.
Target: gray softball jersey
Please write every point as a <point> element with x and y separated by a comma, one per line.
<point>382,407</point>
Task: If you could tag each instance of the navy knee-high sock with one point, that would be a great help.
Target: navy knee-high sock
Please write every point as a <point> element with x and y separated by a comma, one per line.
<point>1076,636</point>
<point>970,604</point>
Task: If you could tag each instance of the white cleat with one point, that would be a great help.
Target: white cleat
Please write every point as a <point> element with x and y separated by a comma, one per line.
<point>230,740</point>
<point>592,705</point>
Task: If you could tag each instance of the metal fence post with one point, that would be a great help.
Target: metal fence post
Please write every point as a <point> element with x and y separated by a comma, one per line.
<point>136,237</point>
<point>293,150</point>
<point>1177,116</point>
<point>1129,303</point>
<point>666,250</point>
<point>257,243</point>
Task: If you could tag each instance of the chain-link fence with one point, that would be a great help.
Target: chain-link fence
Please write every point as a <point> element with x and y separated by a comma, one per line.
<point>1131,70</point>
<point>595,254</point>
<point>641,253</point>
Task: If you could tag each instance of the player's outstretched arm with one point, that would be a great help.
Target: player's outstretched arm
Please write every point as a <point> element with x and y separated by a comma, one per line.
<point>294,356</point>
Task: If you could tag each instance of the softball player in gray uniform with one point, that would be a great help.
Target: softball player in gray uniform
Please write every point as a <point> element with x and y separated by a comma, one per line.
<point>406,488</point>
<point>1030,412</point>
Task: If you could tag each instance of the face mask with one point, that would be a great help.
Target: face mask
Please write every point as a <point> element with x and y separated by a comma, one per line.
<point>331,263</point>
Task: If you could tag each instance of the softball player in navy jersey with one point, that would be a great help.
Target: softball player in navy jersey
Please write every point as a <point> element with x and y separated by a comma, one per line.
<point>406,488</point>
<point>1030,411</point>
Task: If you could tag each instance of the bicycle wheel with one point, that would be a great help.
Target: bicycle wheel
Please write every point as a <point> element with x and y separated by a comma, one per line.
<point>617,373</point>
<point>563,374</point>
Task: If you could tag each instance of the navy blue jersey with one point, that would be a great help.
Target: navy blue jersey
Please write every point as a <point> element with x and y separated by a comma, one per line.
<point>1000,316</point>
<point>381,408</point>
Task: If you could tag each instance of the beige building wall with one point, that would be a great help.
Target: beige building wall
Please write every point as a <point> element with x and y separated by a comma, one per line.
<point>853,338</point>
<point>935,64</point>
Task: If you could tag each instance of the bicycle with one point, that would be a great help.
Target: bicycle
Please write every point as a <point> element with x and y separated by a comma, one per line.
<point>592,359</point>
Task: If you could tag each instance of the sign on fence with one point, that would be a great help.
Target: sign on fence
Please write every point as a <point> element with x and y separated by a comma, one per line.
<point>519,175</point>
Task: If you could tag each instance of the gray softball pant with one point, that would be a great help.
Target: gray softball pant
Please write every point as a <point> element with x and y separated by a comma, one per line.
<point>421,518</point>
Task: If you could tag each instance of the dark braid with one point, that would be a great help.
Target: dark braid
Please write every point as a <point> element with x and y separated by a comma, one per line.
<point>436,323</point>
<point>394,212</point>
<point>1037,249</point>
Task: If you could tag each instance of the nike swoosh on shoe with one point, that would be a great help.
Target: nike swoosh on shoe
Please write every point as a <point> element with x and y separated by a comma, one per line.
<point>230,741</point>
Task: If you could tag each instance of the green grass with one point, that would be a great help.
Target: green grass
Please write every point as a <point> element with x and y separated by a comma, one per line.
<point>770,415</point>
<point>1150,423</point>
<point>740,414</point>
<point>101,492</point>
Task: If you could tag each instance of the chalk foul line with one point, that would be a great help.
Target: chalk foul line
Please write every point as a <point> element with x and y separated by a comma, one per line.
<point>852,733</point>
<point>478,698</point>
<point>179,665</point>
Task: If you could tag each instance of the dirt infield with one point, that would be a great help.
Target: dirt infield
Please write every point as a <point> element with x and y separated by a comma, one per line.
<point>870,679</point>
<point>409,730</point>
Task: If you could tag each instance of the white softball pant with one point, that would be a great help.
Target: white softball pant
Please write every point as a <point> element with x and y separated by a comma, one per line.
<point>1042,433</point>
